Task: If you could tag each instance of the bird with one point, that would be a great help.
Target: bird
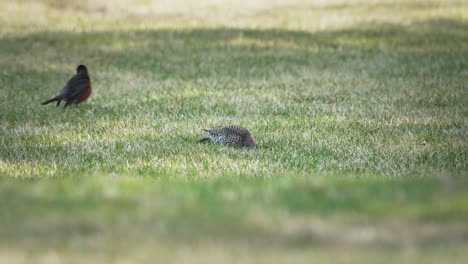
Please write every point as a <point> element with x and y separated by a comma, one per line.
<point>230,135</point>
<point>77,89</point>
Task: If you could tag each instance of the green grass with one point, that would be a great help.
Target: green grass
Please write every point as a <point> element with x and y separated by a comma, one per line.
<point>359,110</point>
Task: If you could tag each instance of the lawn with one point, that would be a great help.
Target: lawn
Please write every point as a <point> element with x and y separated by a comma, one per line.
<point>359,109</point>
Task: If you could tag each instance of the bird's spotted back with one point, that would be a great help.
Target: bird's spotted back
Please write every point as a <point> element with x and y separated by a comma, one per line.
<point>229,130</point>
<point>231,135</point>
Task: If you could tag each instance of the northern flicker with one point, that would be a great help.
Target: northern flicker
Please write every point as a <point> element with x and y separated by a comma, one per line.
<point>230,135</point>
<point>77,89</point>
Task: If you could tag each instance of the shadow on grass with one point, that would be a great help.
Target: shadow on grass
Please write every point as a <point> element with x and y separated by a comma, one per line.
<point>175,212</point>
<point>385,50</point>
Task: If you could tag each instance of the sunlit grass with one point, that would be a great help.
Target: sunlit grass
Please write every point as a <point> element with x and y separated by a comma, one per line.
<point>358,107</point>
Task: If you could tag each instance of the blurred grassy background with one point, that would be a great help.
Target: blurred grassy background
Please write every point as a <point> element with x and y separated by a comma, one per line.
<point>359,109</point>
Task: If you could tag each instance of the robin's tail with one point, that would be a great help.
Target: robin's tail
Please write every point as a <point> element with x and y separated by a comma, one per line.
<point>52,100</point>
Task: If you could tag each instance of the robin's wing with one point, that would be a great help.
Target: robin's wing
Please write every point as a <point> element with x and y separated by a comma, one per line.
<point>76,86</point>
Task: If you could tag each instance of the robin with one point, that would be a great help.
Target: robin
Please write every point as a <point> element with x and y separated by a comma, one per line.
<point>230,135</point>
<point>77,89</point>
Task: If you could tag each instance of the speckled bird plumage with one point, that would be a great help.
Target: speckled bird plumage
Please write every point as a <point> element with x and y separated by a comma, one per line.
<point>230,135</point>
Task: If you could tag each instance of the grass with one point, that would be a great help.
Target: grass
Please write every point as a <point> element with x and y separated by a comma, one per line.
<point>359,110</point>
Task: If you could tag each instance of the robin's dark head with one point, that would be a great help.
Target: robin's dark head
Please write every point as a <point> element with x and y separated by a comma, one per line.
<point>81,68</point>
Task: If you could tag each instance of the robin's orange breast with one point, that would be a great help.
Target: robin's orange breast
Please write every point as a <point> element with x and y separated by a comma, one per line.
<point>86,93</point>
